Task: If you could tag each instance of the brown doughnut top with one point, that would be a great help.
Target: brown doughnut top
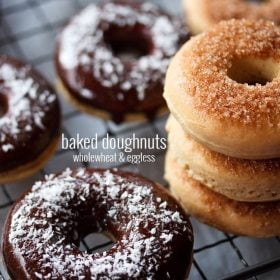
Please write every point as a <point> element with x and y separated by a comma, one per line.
<point>234,44</point>
<point>90,67</point>
<point>153,235</point>
<point>228,9</point>
<point>29,114</point>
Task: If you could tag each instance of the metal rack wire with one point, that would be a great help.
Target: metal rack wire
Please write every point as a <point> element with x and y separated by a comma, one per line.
<point>28,30</point>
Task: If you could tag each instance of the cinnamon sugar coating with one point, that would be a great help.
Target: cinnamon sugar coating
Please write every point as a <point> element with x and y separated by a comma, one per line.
<point>209,60</point>
<point>219,10</point>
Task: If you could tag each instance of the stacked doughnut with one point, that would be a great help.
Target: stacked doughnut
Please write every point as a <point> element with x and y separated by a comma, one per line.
<point>223,91</point>
<point>201,14</point>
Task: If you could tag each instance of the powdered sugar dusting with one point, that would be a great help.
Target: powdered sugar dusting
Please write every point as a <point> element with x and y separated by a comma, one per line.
<point>82,44</point>
<point>25,101</point>
<point>50,212</point>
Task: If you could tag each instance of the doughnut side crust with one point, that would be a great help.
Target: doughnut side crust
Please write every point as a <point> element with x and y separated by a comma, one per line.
<point>30,168</point>
<point>88,109</point>
<point>241,218</point>
<point>230,117</point>
<point>153,235</point>
<point>237,179</point>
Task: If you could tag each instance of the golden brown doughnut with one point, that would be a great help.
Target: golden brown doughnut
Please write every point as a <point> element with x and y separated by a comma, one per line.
<point>242,218</point>
<point>238,179</point>
<point>223,88</point>
<point>201,14</point>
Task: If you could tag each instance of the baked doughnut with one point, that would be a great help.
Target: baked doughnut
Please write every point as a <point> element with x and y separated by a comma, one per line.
<point>255,219</point>
<point>238,179</point>
<point>201,14</point>
<point>153,235</point>
<point>223,88</point>
<point>111,59</point>
<point>29,120</point>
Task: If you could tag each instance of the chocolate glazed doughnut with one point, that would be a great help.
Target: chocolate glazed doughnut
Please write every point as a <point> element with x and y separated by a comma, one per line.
<point>29,120</point>
<point>153,235</point>
<point>95,75</point>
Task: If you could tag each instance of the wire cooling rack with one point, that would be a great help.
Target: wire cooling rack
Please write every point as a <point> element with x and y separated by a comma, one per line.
<point>27,31</point>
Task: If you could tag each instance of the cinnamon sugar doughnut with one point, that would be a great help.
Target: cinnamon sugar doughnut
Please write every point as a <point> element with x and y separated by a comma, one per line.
<point>201,14</point>
<point>152,233</point>
<point>95,72</point>
<point>255,219</point>
<point>223,88</point>
<point>237,179</point>
<point>29,120</point>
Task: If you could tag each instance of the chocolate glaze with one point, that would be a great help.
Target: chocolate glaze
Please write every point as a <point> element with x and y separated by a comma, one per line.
<point>29,114</point>
<point>153,234</point>
<point>118,85</point>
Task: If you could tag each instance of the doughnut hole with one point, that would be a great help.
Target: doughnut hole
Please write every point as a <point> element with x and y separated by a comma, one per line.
<point>91,233</point>
<point>97,242</point>
<point>128,43</point>
<point>253,71</point>
<point>3,105</point>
